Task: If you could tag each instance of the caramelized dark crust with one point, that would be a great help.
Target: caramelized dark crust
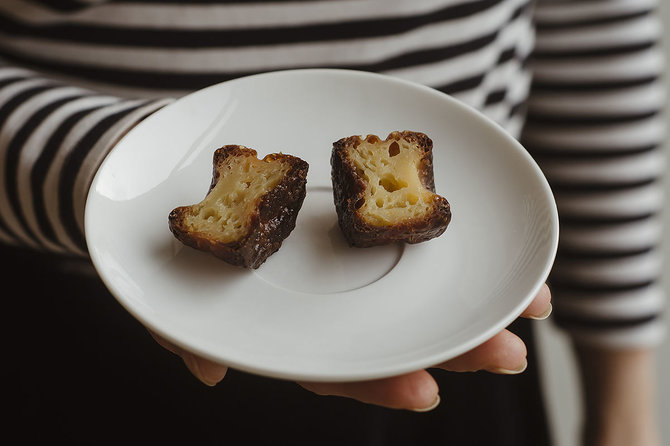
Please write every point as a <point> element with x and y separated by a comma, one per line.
<point>350,184</point>
<point>271,220</point>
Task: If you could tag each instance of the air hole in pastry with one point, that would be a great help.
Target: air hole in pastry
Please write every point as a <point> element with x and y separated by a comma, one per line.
<point>391,184</point>
<point>360,172</point>
<point>209,213</point>
<point>394,149</point>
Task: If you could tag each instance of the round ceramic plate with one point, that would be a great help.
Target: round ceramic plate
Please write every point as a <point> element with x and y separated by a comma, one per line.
<point>318,309</point>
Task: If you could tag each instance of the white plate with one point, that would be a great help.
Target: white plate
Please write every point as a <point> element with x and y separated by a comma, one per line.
<point>317,309</point>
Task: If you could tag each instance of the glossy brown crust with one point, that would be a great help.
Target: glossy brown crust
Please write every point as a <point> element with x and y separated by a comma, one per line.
<point>272,220</point>
<point>349,189</point>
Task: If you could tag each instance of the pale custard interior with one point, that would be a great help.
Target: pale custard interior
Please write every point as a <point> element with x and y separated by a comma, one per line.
<point>225,213</point>
<point>393,191</point>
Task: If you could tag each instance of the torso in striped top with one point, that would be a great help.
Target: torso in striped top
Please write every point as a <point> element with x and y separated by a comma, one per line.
<point>475,50</point>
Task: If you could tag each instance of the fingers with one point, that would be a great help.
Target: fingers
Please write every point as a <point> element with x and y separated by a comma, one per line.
<point>209,372</point>
<point>504,353</point>
<point>540,308</point>
<point>416,391</point>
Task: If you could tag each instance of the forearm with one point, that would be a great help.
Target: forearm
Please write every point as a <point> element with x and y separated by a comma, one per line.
<point>619,389</point>
<point>53,137</point>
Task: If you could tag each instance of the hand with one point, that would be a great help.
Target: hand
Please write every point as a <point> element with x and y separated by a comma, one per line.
<point>504,353</point>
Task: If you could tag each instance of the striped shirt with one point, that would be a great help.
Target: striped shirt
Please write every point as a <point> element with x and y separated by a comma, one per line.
<point>576,81</point>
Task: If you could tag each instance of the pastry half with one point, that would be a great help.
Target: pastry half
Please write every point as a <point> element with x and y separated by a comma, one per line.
<point>251,206</point>
<point>384,190</point>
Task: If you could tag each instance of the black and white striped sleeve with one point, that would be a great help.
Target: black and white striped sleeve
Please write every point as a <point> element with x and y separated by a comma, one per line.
<point>53,138</point>
<point>595,127</point>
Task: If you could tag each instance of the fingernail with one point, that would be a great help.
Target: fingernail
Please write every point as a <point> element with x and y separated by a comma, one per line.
<point>194,367</point>
<point>544,315</point>
<point>431,407</point>
<point>511,372</point>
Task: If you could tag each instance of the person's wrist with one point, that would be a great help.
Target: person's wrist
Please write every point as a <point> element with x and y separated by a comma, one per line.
<point>619,396</point>
<point>620,431</point>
